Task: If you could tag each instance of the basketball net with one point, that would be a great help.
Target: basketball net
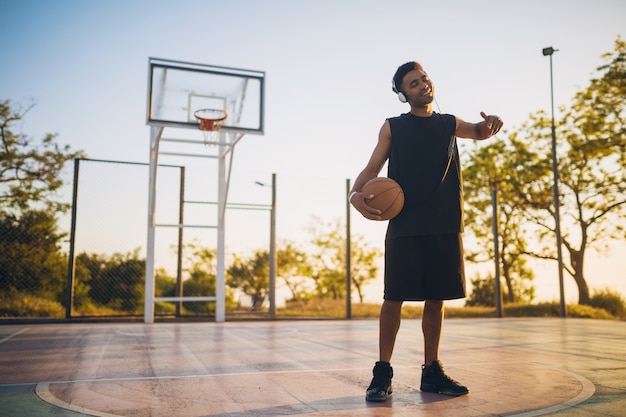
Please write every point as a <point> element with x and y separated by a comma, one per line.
<point>211,137</point>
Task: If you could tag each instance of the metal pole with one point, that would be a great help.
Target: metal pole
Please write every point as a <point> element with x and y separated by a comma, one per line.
<point>179,260</point>
<point>220,285</point>
<point>272,266</point>
<point>155,137</point>
<point>348,256</point>
<point>71,263</point>
<point>496,252</point>
<point>555,171</point>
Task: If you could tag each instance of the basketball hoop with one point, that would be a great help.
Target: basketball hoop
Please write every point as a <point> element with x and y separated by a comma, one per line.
<point>210,122</point>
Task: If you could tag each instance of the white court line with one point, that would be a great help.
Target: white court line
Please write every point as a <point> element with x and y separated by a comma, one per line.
<point>43,389</point>
<point>166,334</point>
<point>4,339</point>
<point>158,378</point>
<point>588,389</point>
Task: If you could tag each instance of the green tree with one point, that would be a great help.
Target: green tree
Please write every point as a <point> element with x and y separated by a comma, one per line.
<point>200,268</point>
<point>591,137</point>
<point>592,184</point>
<point>328,260</point>
<point>483,291</point>
<point>294,269</point>
<point>86,267</point>
<point>251,276</point>
<point>165,285</point>
<point>492,172</point>
<point>31,261</point>
<point>200,265</point>
<point>117,282</point>
<point>363,264</point>
<point>611,301</point>
<point>30,172</point>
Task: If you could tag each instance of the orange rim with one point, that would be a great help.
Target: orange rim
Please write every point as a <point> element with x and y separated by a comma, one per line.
<point>210,118</point>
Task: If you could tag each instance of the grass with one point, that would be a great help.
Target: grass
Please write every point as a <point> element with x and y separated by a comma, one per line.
<point>337,309</point>
<point>25,305</point>
<point>22,305</point>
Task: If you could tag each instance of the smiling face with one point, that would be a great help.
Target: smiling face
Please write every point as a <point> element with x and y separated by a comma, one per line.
<point>418,88</point>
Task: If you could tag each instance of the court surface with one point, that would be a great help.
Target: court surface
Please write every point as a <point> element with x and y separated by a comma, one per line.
<point>513,367</point>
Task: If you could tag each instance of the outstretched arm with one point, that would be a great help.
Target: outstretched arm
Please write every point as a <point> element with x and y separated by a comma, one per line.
<point>481,130</point>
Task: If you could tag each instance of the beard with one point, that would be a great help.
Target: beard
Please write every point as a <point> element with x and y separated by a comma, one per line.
<point>423,100</point>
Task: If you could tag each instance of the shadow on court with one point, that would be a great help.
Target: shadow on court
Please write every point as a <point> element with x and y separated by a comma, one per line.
<point>513,367</point>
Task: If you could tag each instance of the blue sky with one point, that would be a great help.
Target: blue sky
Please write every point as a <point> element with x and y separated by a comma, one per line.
<point>328,68</point>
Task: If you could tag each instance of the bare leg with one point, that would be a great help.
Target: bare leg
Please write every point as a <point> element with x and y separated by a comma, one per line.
<point>390,315</point>
<point>432,321</point>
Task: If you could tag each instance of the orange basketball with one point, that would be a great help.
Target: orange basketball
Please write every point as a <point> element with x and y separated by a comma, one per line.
<point>388,196</point>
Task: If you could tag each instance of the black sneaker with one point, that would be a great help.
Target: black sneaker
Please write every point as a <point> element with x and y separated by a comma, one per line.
<point>435,380</point>
<point>380,388</point>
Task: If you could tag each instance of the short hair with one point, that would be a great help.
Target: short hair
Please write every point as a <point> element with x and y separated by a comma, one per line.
<point>403,70</point>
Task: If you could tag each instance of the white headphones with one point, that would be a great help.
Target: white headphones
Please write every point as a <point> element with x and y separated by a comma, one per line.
<point>401,95</point>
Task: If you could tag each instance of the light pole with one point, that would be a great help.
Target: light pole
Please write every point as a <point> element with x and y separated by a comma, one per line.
<point>272,254</point>
<point>555,171</point>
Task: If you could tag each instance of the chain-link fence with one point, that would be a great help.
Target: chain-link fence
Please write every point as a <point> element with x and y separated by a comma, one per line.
<point>108,232</point>
<point>90,262</point>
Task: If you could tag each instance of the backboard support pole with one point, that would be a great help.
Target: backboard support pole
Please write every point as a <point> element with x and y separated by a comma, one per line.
<point>155,137</point>
<point>222,189</point>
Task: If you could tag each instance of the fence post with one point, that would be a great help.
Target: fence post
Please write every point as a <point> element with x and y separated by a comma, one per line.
<point>69,300</point>
<point>348,255</point>
<point>272,252</point>
<point>496,253</point>
<point>179,260</point>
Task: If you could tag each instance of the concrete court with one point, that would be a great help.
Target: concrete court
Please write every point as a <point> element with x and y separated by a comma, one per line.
<point>514,367</point>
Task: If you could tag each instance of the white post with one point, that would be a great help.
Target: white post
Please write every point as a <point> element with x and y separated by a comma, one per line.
<point>272,253</point>
<point>155,136</point>
<point>220,285</point>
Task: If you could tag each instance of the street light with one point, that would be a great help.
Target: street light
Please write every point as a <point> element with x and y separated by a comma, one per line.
<point>555,171</point>
<point>272,254</point>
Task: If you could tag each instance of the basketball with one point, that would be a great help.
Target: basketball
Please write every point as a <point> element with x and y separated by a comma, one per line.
<point>388,196</point>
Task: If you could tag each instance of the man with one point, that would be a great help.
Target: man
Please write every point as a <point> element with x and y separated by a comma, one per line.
<point>423,245</point>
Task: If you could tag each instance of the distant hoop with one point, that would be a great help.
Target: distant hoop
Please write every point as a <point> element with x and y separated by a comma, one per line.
<point>210,119</point>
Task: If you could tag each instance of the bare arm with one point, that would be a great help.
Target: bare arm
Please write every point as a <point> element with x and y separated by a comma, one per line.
<point>372,169</point>
<point>481,130</point>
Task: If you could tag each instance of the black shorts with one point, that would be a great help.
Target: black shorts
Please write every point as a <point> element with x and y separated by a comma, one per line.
<point>424,268</point>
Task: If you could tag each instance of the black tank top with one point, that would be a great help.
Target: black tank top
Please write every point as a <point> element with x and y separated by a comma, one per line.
<point>424,161</point>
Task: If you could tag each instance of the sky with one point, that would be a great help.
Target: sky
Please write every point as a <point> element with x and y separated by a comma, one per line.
<point>328,66</point>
